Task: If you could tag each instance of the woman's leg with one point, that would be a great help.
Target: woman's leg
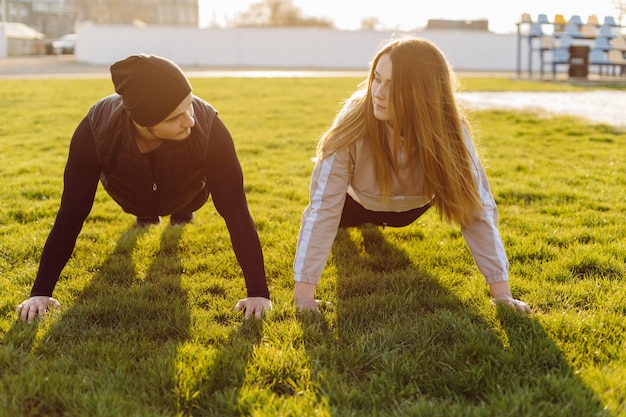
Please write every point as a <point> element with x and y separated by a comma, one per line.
<point>355,214</point>
<point>185,215</point>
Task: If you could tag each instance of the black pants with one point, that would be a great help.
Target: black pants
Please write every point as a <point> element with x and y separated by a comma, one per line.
<point>195,204</point>
<point>354,214</point>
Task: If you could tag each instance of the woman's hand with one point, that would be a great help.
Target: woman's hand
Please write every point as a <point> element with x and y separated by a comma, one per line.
<point>502,295</point>
<point>512,302</point>
<point>308,304</point>
<point>254,305</point>
<point>303,296</point>
<point>38,305</point>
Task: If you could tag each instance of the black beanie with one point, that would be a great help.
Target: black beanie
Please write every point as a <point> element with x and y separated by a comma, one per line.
<point>151,87</point>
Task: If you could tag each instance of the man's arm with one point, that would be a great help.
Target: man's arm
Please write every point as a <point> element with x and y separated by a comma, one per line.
<point>80,182</point>
<point>225,181</point>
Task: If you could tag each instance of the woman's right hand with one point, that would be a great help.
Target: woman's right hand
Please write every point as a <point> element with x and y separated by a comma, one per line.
<point>303,296</point>
<point>308,304</point>
<point>37,305</point>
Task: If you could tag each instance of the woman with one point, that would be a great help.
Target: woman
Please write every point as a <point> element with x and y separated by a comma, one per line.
<point>399,146</point>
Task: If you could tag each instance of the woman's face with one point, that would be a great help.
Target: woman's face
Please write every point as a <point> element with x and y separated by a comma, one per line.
<point>381,88</point>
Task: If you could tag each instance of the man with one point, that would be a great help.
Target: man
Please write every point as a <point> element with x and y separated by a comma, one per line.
<point>158,150</point>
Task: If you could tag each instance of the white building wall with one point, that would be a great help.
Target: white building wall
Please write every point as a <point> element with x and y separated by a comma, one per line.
<point>3,41</point>
<point>284,48</point>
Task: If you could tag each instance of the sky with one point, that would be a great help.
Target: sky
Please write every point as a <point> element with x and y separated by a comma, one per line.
<point>407,15</point>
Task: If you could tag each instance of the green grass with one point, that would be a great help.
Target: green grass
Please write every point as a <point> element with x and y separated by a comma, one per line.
<point>514,84</point>
<point>148,328</point>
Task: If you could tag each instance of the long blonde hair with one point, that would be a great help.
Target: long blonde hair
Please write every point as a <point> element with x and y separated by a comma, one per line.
<point>423,111</point>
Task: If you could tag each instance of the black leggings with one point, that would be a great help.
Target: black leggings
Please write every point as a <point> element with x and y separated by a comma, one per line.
<point>355,214</point>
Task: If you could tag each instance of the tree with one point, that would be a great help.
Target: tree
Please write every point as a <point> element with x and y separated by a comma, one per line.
<point>370,23</point>
<point>109,11</point>
<point>277,13</point>
<point>620,8</point>
<point>129,11</point>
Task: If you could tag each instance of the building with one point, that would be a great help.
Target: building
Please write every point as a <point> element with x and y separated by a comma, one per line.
<point>150,12</point>
<point>446,24</point>
<point>55,18</point>
<point>20,39</point>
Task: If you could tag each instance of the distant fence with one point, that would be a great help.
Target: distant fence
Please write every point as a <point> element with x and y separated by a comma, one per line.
<point>284,48</point>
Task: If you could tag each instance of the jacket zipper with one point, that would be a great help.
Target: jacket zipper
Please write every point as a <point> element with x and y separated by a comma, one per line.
<point>155,200</point>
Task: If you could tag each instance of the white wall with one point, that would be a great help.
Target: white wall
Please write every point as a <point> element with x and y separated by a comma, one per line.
<point>3,41</point>
<point>284,48</point>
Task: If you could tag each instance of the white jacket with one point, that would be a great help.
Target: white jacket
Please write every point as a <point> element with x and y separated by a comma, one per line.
<point>349,171</point>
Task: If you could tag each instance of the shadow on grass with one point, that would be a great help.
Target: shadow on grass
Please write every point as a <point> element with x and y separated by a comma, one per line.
<point>213,387</point>
<point>402,344</point>
<point>121,348</point>
<point>115,347</point>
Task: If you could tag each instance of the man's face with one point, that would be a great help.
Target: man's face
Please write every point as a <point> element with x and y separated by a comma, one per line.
<point>177,125</point>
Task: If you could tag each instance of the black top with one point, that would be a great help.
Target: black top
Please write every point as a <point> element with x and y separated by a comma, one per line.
<point>224,182</point>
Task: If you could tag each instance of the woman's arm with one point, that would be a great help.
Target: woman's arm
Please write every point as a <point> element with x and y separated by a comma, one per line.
<point>320,221</point>
<point>485,242</point>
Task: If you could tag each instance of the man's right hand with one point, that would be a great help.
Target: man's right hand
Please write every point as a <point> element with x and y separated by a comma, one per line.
<point>38,305</point>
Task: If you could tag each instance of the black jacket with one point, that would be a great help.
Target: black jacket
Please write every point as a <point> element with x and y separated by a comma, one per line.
<point>219,167</point>
<point>164,184</point>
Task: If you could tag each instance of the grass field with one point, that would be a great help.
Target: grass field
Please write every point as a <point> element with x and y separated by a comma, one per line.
<point>148,326</point>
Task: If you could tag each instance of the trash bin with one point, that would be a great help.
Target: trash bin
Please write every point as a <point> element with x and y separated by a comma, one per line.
<point>578,61</point>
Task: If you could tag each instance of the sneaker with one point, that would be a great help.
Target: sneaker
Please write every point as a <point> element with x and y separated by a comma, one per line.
<point>147,221</point>
<point>181,218</point>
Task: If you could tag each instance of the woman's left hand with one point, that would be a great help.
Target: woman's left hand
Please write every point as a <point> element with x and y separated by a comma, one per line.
<point>501,293</point>
<point>509,301</point>
<point>254,305</point>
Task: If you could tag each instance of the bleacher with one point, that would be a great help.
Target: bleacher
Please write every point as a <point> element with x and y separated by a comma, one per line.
<point>581,46</point>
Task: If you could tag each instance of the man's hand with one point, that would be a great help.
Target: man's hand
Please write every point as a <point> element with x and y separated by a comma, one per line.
<point>38,305</point>
<point>254,305</point>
